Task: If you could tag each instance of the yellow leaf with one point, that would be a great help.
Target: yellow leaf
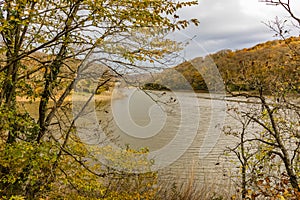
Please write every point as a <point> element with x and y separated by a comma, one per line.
<point>282,198</point>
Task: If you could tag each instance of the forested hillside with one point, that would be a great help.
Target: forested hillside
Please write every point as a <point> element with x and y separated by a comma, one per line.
<point>266,62</point>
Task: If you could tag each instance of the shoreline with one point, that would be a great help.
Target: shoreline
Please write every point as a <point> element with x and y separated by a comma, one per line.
<point>71,97</point>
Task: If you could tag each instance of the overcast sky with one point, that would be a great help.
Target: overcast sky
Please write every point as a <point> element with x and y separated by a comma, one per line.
<point>228,24</point>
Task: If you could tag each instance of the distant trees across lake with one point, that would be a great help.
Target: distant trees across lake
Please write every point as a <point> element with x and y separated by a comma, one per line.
<point>155,86</point>
<point>267,62</point>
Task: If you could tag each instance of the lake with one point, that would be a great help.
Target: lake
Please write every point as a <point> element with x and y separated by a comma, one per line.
<point>183,131</point>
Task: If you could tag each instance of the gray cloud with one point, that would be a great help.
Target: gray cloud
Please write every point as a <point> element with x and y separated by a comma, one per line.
<point>227,24</point>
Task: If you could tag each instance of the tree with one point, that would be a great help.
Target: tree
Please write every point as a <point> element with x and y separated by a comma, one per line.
<point>43,48</point>
<point>272,160</point>
<point>267,148</point>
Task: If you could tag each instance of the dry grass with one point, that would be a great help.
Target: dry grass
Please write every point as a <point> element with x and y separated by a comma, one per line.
<point>212,188</point>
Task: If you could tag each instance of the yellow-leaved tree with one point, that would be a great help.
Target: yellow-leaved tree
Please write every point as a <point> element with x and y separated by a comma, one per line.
<point>44,44</point>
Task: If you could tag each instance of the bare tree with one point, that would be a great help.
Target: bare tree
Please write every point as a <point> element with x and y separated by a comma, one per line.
<point>274,161</point>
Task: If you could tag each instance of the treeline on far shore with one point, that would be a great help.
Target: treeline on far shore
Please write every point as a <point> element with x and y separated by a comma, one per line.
<point>241,70</point>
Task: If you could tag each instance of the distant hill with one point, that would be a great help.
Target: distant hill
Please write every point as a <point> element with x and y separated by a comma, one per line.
<point>244,69</point>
